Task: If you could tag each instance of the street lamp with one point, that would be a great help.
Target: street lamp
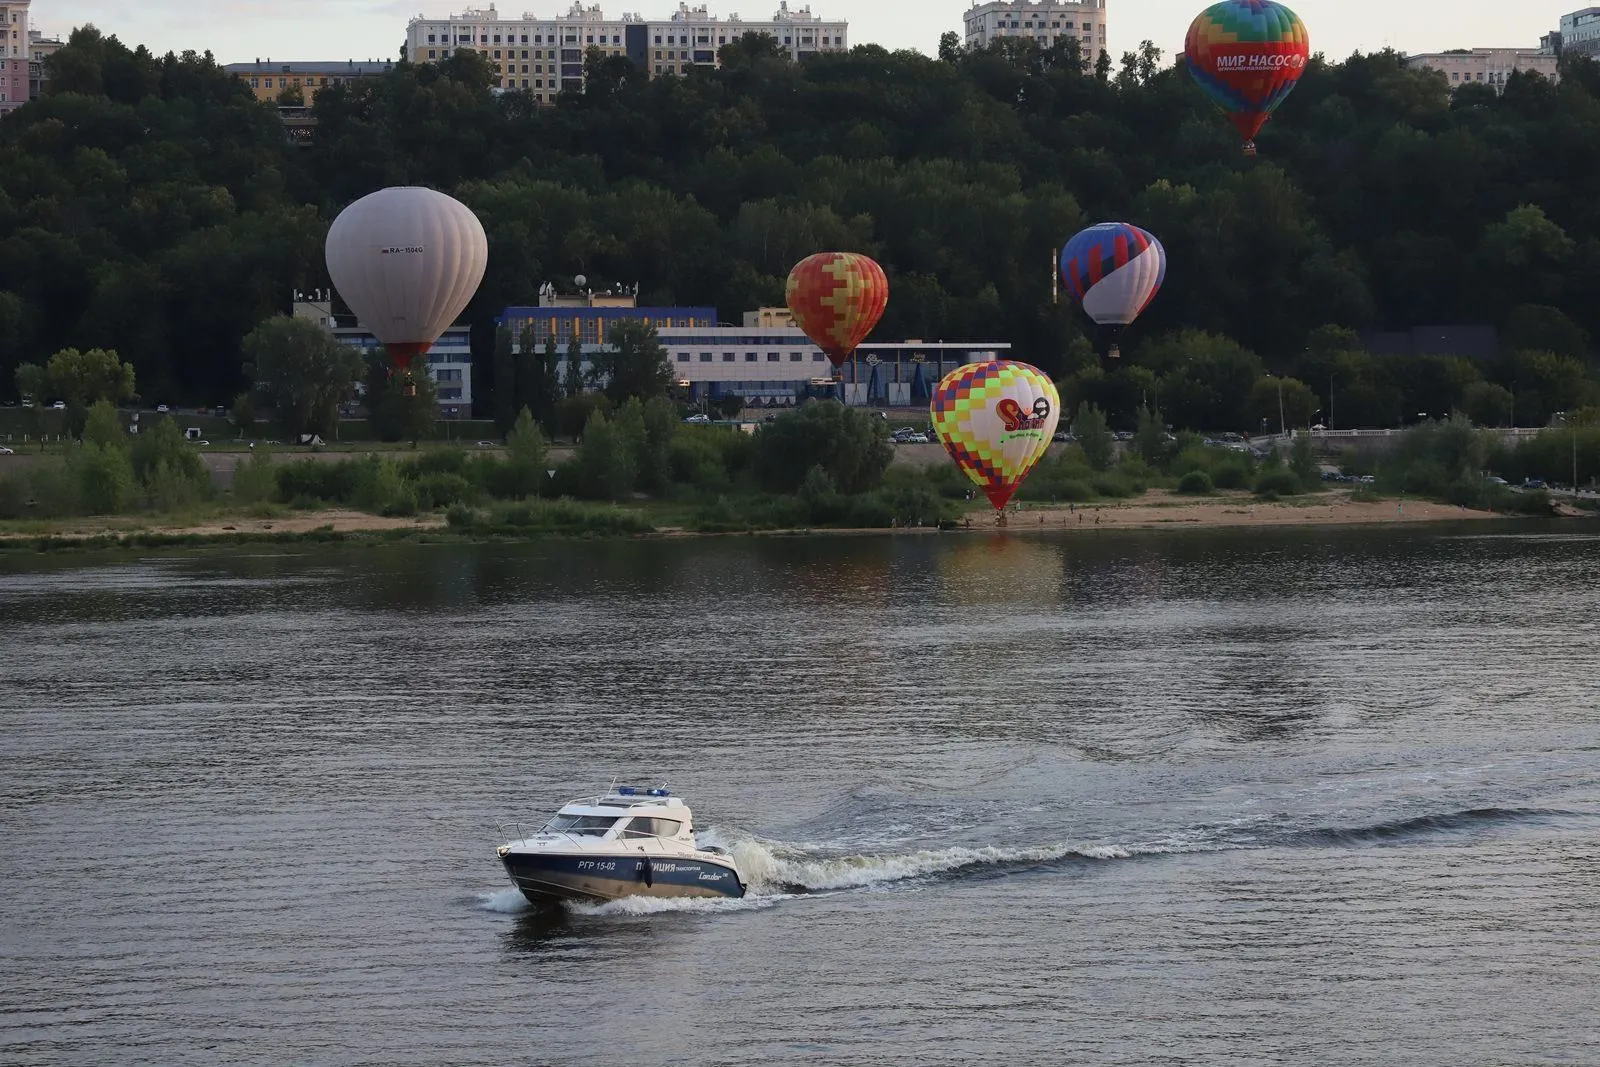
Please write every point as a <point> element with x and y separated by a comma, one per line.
<point>1283,425</point>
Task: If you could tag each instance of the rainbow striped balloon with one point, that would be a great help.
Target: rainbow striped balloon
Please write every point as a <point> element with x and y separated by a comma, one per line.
<point>1247,55</point>
<point>996,420</point>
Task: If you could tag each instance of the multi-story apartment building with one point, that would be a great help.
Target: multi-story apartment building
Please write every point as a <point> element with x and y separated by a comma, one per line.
<point>449,361</point>
<point>545,55</point>
<point>1487,66</point>
<point>40,48</point>
<point>1049,22</point>
<point>13,55</point>
<point>1579,34</point>
<point>268,79</point>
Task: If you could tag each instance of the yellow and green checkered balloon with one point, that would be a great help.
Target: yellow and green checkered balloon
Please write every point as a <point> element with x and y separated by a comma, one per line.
<point>996,420</point>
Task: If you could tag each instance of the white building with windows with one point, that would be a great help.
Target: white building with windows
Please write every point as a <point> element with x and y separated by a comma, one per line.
<point>14,55</point>
<point>545,55</point>
<point>778,366</point>
<point>449,361</point>
<point>1049,22</point>
<point>1487,66</point>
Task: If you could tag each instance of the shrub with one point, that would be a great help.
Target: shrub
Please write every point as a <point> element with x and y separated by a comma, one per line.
<point>1195,483</point>
<point>103,478</point>
<point>1277,482</point>
<point>14,497</point>
<point>255,481</point>
<point>441,490</point>
<point>461,517</point>
<point>307,479</point>
<point>437,461</point>
<point>1232,473</point>
<point>564,516</point>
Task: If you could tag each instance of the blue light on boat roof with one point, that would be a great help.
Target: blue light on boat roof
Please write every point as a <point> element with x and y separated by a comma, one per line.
<point>659,793</point>
<point>627,790</point>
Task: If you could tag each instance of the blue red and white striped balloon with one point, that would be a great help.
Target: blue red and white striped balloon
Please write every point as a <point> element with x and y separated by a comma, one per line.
<point>1114,270</point>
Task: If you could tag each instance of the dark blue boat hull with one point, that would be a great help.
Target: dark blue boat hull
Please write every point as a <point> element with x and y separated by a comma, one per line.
<point>545,877</point>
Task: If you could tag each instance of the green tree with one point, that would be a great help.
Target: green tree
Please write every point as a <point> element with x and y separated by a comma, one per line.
<point>574,380</point>
<point>632,363</point>
<point>82,378</point>
<point>546,398</point>
<point>1536,328</point>
<point>103,426</point>
<point>400,408</point>
<point>1487,404</point>
<point>661,430</point>
<point>1281,403</point>
<point>244,413</point>
<point>506,380</point>
<point>1150,441</point>
<point>33,383</point>
<point>847,444</point>
<point>302,371</point>
<point>101,477</point>
<point>605,464</point>
<point>1094,436</point>
<point>167,467</point>
<point>526,452</point>
<point>1303,461</point>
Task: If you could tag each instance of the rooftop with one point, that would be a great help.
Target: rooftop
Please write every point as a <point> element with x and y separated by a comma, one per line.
<point>311,66</point>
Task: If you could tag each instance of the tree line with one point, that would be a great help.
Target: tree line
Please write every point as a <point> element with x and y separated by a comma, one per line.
<point>151,205</point>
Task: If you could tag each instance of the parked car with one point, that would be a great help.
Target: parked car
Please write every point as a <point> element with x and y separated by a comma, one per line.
<point>1535,483</point>
<point>4,451</point>
<point>1062,436</point>
<point>59,405</point>
<point>698,418</point>
<point>162,409</point>
<point>1497,480</point>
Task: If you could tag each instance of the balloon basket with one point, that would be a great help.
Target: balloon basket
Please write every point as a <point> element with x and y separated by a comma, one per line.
<point>1115,352</point>
<point>1250,149</point>
<point>409,390</point>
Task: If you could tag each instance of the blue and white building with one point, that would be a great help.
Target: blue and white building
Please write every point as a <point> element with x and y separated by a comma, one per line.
<point>449,361</point>
<point>768,361</point>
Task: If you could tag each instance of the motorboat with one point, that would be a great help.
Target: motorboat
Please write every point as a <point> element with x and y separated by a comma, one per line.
<point>627,842</point>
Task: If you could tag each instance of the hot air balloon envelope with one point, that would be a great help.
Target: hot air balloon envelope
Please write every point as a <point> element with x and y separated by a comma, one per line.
<point>837,298</point>
<point>1114,270</point>
<point>1247,55</point>
<point>407,261</point>
<point>996,420</point>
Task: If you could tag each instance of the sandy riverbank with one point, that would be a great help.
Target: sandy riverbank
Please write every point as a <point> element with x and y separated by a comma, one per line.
<point>1155,510</point>
<point>1159,509</point>
<point>338,521</point>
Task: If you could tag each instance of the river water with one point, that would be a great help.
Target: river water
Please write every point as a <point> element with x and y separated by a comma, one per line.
<point>1242,797</point>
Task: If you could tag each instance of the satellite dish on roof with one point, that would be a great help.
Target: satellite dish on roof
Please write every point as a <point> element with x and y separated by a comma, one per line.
<point>580,281</point>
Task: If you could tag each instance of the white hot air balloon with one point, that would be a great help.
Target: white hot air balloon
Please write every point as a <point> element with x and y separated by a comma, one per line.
<point>407,261</point>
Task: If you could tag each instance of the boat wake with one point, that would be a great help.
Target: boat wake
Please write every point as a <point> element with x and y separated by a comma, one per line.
<point>776,871</point>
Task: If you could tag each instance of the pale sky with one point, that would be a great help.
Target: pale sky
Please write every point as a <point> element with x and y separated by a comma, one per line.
<point>242,30</point>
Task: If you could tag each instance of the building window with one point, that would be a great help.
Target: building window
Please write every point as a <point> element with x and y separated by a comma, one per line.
<point>795,357</point>
<point>705,357</point>
<point>683,357</point>
<point>817,357</point>
<point>751,357</point>
<point>774,357</point>
<point>727,357</point>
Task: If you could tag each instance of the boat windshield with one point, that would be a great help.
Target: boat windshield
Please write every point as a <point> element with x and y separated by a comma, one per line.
<point>647,827</point>
<point>596,825</point>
